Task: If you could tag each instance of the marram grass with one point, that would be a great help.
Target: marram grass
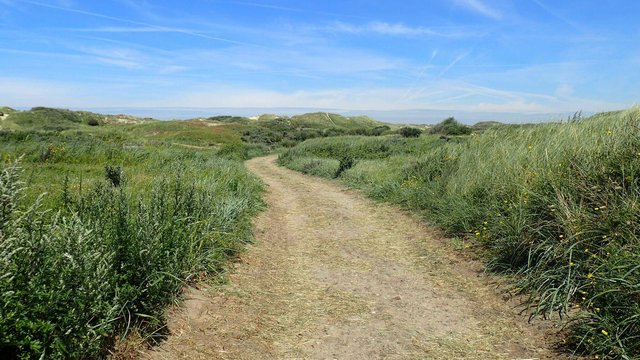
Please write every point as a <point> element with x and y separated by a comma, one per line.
<point>556,205</point>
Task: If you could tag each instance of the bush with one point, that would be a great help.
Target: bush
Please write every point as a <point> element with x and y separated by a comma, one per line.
<point>410,132</point>
<point>346,162</point>
<point>114,175</point>
<point>450,126</point>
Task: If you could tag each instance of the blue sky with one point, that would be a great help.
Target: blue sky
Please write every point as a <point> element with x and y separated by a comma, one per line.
<point>493,56</point>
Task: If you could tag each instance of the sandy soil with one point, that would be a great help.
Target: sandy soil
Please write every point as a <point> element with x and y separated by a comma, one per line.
<point>333,275</point>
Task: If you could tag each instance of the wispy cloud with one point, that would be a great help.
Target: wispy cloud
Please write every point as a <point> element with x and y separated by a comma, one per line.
<point>311,62</point>
<point>129,29</point>
<point>480,7</point>
<point>556,15</point>
<point>399,29</point>
<point>122,57</point>
<point>28,92</point>
<point>133,22</point>
<point>292,9</point>
<point>454,62</point>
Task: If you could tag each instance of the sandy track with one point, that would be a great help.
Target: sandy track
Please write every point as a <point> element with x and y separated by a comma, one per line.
<point>333,275</point>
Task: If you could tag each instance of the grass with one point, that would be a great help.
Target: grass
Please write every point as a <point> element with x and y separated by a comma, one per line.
<point>104,260</point>
<point>105,218</point>
<point>553,205</point>
<point>85,259</point>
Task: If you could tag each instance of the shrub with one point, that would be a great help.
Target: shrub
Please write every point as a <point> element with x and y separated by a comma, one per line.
<point>346,162</point>
<point>410,132</point>
<point>450,126</point>
<point>114,175</point>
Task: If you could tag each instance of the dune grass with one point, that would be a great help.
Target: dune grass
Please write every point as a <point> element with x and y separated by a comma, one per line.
<point>101,227</point>
<point>554,205</point>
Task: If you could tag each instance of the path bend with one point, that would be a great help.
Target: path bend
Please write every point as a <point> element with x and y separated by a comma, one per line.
<point>334,275</point>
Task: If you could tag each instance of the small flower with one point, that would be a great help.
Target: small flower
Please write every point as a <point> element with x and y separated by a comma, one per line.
<point>596,208</point>
<point>561,236</point>
<point>604,332</point>
<point>571,263</point>
<point>589,275</point>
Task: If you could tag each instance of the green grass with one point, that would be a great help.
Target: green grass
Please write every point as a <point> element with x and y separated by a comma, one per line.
<point>98,260</point>
<point>554,205</point>
<point>103,221</point>
<point>84,262</point>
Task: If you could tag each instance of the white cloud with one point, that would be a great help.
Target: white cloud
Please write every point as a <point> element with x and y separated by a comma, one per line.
<point>399,29</point>
<point>18,92</point>
<point>480,7</point>
<point>564,90</point>
<point>454,62</point>
<point>449,95</point>
<point>121,57</point>
<point>131,29</point>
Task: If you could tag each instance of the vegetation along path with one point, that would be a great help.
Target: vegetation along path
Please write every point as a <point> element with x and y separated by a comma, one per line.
<point>333,275</point>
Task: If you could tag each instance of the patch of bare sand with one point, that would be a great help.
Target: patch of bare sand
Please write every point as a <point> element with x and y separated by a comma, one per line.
<point>333,275</point>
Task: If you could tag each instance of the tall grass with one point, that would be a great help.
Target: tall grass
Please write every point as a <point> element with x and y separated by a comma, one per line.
<point>87,262</point>
<point>555,205</point>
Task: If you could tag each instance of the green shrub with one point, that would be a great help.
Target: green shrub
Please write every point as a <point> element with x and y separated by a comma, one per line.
<point>410,132</point>
<point>346,162</point>
<point>114,175</point>
<point>450,126</point>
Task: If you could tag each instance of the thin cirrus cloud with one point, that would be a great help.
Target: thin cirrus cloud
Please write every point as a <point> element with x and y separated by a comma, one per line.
<point>130,29</point>
<point>138,23</point>
<point>399,29</point>
<point>480,7</point>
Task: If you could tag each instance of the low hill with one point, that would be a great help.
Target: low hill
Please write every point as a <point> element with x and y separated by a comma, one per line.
<point>6,110</point>
<point>317,120</point>
<point>52,119</point>
<point>325,120</point>
<point>484,125</point>
<point>266,130</point>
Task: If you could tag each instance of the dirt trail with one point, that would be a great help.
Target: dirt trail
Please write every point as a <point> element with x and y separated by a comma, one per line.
<point>333,275</point>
